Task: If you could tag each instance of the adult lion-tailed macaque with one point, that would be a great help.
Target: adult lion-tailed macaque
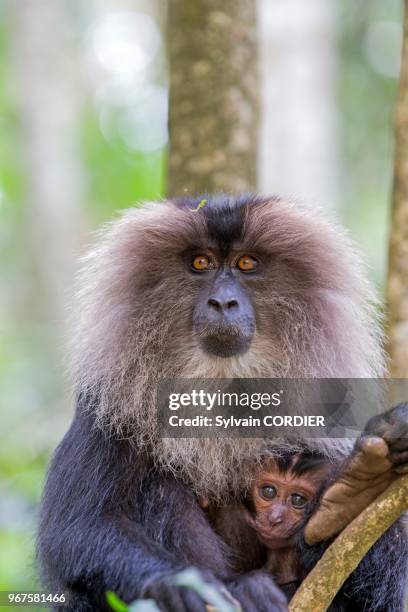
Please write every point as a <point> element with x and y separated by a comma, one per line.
<point>239,287</point>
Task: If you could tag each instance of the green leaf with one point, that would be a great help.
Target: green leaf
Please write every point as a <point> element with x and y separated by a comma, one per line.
<point>200,205</point>
<point>140,605</point>
<point>115,603</point>
<point>192,579</point>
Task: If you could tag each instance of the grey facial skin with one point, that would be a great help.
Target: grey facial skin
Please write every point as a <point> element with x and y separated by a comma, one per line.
<point>224,316</point>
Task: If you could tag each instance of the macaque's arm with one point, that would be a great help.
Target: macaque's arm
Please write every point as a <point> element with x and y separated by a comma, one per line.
<point>379,456</point>
<point>237,528</point>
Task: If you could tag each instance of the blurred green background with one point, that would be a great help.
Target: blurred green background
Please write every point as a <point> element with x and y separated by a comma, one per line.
<point>83,107</point>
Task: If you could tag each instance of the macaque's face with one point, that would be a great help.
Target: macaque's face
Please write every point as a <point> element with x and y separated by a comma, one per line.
<point>224,313</point>
<point>280,501</point>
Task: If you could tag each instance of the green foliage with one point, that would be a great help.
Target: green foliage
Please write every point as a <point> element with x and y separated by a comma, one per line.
<point>201,204</point>
<point>190,579</point>
<point>141,605</point>
<point>365,120</point>
<point>116,177</point>
<point>115,602</point>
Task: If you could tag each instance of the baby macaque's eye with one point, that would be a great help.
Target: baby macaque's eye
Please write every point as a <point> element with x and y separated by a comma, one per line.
<point>298,501</point>
<point>268,492</point>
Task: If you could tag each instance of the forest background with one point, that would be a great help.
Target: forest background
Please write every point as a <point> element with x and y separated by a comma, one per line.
<point>84,134</point>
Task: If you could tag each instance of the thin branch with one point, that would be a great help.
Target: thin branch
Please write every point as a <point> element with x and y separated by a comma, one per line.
<point>320,587</point>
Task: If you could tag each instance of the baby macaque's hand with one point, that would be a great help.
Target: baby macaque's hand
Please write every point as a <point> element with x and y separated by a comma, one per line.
<point>379,456</point>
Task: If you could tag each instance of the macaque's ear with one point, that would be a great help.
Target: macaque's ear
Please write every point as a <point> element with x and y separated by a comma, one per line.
<point>365,475</point>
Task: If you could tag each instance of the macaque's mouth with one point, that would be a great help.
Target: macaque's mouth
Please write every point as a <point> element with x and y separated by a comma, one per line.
<point>224,344</point>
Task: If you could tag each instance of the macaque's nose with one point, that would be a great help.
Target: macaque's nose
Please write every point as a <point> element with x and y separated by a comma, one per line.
<point>223,304</point>
<point>275,516</point>
<point>224,316</point>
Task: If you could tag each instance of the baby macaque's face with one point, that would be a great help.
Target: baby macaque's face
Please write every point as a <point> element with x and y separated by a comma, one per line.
<point>280,500</point>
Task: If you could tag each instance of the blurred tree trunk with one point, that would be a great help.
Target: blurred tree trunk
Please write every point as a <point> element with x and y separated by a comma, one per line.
<point>213,96</point>
<point>48,104</point>
<point>397,283</point>
<point>299,61</point>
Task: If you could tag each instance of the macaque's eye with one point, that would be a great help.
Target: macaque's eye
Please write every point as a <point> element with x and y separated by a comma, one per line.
<point>298,501</point>
<point>201,263</point>
<point>268,492</point>
<point>247,263</point>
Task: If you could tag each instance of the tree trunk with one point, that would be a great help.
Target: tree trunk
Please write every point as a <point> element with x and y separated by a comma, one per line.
<point>48,105</point>
<point>397,283</point>
<point>213,96</point>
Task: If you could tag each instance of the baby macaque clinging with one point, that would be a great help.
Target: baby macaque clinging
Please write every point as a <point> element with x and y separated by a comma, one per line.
<point>279,499</point>
<point>264,530</point>
<point>298,502</point>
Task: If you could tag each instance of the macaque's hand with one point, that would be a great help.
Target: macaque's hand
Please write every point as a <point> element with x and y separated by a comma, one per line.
<point>170,596</point>
<point>392,426</point>
<point>379,456</point>
<point>257,592</point>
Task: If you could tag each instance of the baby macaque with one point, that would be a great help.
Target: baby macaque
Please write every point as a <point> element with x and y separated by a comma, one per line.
<point>262,532</point>
<point>278,502</point>
<point>298,502</point>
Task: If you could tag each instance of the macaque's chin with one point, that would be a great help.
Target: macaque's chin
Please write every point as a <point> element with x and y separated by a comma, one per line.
<point>273,542</point>
<point>225,345</point>
<point>276,536</point>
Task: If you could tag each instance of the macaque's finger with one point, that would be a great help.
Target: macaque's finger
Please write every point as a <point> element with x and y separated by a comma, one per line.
<point>399,459</point>
<point>225,593</point>
<point>392,426</point>
<point>363,478</point>
<point>203,502</point>
<point>399,444</point>
<point>401,469</point>
<point>370,447</point>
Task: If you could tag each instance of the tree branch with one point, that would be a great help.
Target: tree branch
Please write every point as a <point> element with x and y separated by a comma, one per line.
<point>320,587</point>
<point>397,290</point>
